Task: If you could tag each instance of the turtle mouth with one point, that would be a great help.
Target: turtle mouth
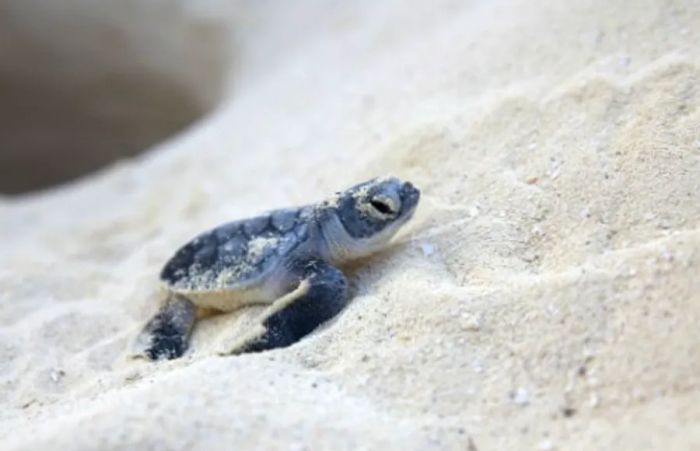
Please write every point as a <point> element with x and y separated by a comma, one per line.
<point>410,195</point>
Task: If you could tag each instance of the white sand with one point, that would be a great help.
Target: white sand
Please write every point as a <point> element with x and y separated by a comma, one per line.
<point>546,296</point>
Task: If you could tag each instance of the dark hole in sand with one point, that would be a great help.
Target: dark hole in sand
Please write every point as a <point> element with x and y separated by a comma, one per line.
<point>81,89</point>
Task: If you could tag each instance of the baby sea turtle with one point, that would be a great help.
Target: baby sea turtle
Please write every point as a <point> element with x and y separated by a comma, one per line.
<point>286,258</point>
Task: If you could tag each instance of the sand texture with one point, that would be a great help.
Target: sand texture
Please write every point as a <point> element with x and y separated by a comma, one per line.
<point>546,295</point>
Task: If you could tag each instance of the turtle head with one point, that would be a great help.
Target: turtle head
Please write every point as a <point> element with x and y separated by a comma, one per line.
<point>362,219</point>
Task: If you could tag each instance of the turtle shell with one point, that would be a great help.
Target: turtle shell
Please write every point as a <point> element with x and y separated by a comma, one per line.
<point>236,254</point>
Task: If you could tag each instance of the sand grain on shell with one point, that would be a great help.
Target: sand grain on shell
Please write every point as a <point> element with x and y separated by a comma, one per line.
<point>545,295</point>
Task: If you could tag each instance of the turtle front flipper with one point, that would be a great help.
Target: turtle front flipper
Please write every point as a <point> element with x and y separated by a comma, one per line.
<point>320,295</point>
<point>167,334</point>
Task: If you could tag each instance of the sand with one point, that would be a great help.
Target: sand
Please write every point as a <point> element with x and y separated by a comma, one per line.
<point>545,296</point>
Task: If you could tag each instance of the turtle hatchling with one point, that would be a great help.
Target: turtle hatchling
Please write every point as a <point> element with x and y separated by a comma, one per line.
<point>287,259</point>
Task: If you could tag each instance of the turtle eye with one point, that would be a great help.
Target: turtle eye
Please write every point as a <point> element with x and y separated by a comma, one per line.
<point>381,206</point>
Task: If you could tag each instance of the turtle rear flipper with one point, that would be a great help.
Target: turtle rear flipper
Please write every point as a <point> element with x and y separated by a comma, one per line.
<point>167,334</point>
<point>321,294</point>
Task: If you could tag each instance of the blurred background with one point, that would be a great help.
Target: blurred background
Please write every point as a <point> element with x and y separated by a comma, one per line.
<point>85,83</point>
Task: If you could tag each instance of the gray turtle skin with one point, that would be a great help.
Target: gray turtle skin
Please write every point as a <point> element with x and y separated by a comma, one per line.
<point>287,258</point>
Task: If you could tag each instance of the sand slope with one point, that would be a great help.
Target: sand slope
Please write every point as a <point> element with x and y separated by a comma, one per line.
<point>546,295</point>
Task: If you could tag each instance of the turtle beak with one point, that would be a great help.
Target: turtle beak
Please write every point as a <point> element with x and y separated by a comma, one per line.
<point>409,196</point>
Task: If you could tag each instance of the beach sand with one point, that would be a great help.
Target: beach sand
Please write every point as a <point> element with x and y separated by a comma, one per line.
<point>545,296</point>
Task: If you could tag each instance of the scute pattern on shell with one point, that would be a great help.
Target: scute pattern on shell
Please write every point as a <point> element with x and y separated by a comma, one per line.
<point>235,252</point>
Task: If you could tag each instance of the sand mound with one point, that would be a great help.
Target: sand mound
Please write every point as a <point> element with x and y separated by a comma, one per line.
<point>545,296</point>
